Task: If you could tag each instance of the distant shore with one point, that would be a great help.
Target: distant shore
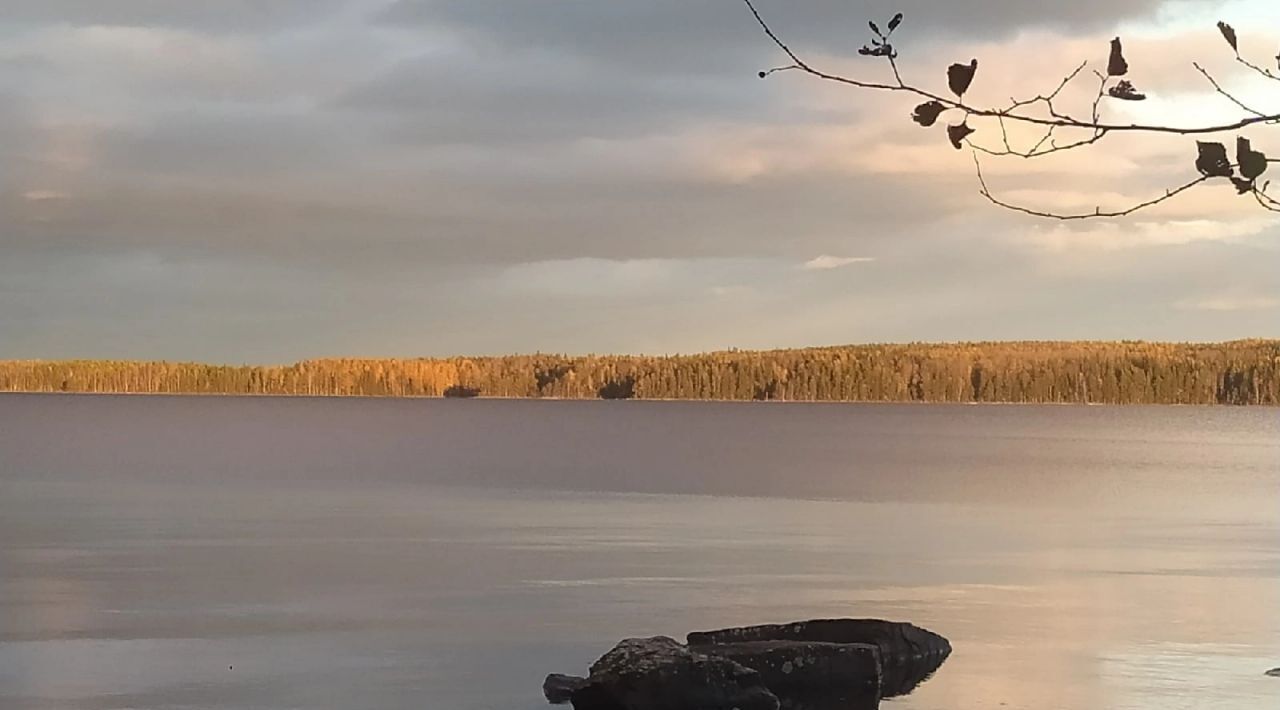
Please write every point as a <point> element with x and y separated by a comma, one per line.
<point>1243,372</point>
<point>641,400</point>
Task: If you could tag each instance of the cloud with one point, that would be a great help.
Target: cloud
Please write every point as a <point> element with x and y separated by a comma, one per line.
<point>44,195</point>
<point>1231,303</point>
<point>224,15</point>
<point>698,32</point>
<point>532,96</point>
<point>451,176</point>
<point>1137,234</point>
<point>825,262</point>
<point>633,278</point>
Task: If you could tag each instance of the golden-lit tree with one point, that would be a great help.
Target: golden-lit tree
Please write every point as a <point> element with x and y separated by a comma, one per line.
<point>1239,372</point>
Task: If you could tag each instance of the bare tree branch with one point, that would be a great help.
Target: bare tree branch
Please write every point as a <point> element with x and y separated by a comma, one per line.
<point>1042,111</point>
<point>1061,120</point>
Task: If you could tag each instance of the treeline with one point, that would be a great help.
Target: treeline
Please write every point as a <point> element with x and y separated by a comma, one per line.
<point>1239,372</point>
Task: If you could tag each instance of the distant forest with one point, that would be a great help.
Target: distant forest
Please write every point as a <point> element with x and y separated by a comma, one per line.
<point>1239,372</point>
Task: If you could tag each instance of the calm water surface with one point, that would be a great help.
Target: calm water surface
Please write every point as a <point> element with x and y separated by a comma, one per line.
<point>369,554</point>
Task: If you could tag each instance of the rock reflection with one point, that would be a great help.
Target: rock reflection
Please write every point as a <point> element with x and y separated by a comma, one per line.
<point>817,701</point>
<point>904,678</point>
<point>896,681</point>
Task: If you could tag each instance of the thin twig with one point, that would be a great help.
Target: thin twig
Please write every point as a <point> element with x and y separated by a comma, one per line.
<point>1224,92</point>
<point>1038,150</point>
<point>1052,95</point>
<point>1266,201</point>
<point>1097,213</point>
<point>1264,72</point>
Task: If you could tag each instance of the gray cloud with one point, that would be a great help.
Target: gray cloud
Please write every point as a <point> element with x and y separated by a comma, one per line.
<point>963,287</point>
<point>692,35</point>
<point>237,15</point>
<point>536,96</point>
<point>277,180</point>
<point>530,69</point>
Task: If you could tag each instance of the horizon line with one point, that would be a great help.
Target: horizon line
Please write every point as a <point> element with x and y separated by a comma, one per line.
<point>676,354</point>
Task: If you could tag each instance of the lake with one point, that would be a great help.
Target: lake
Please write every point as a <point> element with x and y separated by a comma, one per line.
<point>221,552</point>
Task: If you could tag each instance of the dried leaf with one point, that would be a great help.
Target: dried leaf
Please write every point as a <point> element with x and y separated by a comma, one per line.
<point>897,20</point>
<point>1212,160</point>
<point>875,28</point>
<point>1252,163</point>
<point>1116,65</point>
<point>958,133</point>
<point>959,76</point>
<point>1242,186</point>
<point>1229,33</point>
<point>926,114</point>
<point>1124,90</point>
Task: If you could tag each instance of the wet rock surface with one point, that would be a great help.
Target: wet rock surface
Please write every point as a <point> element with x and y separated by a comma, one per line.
<point>908,654</point>
<point>825,664</point>
<point>559,688</point>
<point>659,672</point>
<point>789,667</point>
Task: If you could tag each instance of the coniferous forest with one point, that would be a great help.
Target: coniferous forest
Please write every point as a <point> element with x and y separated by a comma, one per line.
<point>1238,372</point>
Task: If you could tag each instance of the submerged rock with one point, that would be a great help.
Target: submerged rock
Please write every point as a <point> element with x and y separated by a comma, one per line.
<point>659,672</point>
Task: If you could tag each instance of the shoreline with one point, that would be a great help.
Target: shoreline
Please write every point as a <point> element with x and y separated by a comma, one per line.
<point>1234,373</point>
<point>255,395</point>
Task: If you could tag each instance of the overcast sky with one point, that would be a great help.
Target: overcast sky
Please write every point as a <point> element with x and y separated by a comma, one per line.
<point>271,180</point>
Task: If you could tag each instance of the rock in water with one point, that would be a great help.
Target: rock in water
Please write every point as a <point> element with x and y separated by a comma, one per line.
<point>826,664</point>
<point>791,667</point>
<point>558,688</point>
<point>660,673</point>
<point>908,654</point>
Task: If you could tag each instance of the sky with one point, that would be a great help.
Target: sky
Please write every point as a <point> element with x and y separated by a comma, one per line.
<point>271,180</point>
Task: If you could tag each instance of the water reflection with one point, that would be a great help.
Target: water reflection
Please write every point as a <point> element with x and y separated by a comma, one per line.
<point>904,678</point>
<point>899,681</point>
<point>1078,559</point>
